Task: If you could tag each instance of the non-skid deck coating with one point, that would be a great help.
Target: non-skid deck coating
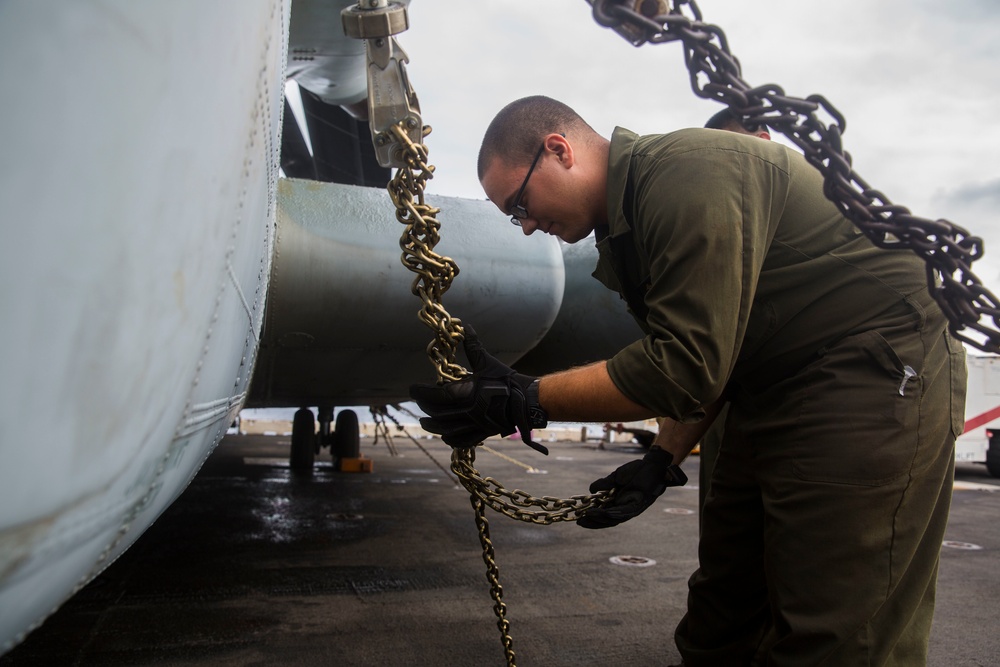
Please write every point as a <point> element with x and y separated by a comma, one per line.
<point>254,565</point>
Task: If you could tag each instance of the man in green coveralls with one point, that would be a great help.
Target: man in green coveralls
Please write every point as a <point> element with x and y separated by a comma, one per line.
<point>711,442</point>
<point>822,530</point>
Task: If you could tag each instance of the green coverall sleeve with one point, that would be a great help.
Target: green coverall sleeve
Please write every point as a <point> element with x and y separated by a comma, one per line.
<point>703,220</point>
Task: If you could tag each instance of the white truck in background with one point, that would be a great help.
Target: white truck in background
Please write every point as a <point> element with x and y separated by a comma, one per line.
<point>980,442</point>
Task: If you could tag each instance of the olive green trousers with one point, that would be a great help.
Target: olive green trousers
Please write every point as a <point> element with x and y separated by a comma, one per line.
<point>822,529</point>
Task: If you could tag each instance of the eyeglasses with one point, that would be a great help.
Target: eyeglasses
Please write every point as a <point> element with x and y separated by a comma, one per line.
<point>518,212</point>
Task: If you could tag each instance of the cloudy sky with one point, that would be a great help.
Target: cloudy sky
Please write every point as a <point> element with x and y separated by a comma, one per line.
<point>915,79</point>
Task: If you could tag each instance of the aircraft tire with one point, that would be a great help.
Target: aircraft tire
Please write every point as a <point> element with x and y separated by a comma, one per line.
<point>303,452</point>
<point>993,457</point>
<point>346,436</point>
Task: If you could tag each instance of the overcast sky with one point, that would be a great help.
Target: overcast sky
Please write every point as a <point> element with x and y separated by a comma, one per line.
<point>915,79</point>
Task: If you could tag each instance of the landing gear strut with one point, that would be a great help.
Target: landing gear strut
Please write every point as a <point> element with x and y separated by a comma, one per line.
<point>344,441</point>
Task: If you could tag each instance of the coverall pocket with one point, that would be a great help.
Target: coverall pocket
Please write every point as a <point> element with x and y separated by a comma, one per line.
<point>860,414</point>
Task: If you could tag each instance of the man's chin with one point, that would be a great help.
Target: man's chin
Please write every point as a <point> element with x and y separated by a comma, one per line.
<point>572,239</point>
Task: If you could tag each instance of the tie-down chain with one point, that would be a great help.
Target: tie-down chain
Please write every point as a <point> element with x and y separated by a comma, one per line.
<point>947,249</point>
<point>434,275</point>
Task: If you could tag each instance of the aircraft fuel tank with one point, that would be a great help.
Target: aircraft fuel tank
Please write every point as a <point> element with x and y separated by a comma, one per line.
<point>341,323</point>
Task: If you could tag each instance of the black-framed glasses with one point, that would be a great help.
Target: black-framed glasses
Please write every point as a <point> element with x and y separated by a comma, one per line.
<point>518,212</point>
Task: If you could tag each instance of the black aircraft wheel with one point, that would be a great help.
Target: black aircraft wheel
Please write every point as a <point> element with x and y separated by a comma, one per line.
<point>346,436</point>
<point>303,440</point>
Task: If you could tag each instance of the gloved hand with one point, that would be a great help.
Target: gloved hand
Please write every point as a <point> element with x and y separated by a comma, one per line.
<point>636,485</point>
<point>494,399</point>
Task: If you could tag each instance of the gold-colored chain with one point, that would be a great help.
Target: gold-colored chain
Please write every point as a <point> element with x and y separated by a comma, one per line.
<point>434,275</point>
<point>544,510</point>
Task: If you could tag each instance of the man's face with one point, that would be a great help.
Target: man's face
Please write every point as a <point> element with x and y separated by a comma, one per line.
<point>548,197</point>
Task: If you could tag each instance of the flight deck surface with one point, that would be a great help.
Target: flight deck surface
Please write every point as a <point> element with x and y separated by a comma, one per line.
<point>255,565</point>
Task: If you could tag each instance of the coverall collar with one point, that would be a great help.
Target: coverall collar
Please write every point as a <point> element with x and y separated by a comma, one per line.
<point>619,156</point>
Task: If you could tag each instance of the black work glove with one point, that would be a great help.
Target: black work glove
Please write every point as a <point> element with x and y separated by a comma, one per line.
<point>494,399</point>
<point>636,485</point>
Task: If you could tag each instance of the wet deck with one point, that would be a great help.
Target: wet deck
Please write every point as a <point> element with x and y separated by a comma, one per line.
<point>256,566</point>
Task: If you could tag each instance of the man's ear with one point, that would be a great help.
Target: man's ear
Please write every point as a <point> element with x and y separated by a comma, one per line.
<point>562,148</point>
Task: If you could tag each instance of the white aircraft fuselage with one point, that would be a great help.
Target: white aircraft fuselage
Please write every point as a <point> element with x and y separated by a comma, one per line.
<point>138,195</point>
<point>143,247</point>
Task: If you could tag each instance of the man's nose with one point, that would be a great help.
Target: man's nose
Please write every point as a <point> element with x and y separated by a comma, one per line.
<point>528,226</point>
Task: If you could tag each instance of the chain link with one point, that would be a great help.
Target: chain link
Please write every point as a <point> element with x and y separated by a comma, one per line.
<point>516,504</point>
<point>434,275</point>
<point>493,576</point>
<point>947,249</point>
<point>379,415</point>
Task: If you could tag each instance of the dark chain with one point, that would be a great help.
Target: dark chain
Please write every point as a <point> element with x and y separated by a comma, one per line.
<point>947,249</point>
<point>379,414</point>
<point>399,427</point>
